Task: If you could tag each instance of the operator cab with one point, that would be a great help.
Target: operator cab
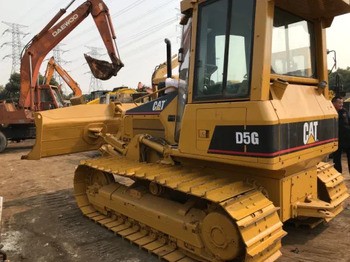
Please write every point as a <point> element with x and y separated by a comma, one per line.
<point>224,49</point>
<point>240,46</point>
<point>50,98</point>
<point>252,69</point>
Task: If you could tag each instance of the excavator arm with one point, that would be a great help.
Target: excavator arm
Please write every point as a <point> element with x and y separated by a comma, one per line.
<point>51,66</point>
<point>54,32</point>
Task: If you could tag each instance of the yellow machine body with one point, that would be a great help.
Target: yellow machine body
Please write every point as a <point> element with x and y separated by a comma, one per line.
<point>74,129</point>
<point>210,171</point>
<point>124,95</point>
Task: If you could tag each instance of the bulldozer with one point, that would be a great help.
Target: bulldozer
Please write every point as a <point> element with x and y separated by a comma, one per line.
<point>212,170</point>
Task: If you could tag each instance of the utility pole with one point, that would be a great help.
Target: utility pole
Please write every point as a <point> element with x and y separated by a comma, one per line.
<point>16,43</point>
<point>95,84</point>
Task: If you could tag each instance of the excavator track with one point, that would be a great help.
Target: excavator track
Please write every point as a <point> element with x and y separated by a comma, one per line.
<point>215,220</point>
<point>331,187</point>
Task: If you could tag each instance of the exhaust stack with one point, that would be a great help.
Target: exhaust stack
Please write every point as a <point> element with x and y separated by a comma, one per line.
<point>168,57</point>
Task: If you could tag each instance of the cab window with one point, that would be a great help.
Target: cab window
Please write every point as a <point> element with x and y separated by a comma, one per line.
<point>293,46</point>
<point>224,49</point>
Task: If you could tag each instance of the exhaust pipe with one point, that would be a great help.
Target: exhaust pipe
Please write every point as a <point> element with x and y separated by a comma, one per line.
<point>168,57</point>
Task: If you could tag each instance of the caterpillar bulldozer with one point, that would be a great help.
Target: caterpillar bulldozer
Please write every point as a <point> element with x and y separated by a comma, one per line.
<point>212,170</point>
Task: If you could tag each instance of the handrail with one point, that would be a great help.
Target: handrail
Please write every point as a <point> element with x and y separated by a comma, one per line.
<point>155,92</point>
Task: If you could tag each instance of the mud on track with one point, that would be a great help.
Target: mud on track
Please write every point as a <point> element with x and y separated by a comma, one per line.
<point>41,221</point>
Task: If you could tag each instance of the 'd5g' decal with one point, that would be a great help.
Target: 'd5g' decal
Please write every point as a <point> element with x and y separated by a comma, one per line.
<point>247,138</point>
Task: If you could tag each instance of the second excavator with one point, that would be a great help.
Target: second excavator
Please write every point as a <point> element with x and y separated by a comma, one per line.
<point>77,93</point>
<point>212,170</point>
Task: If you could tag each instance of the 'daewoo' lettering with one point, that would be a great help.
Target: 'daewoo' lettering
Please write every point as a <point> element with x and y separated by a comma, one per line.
<point>64,25</point>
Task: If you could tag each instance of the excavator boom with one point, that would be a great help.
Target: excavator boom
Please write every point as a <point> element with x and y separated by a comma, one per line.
<point>54,33</point>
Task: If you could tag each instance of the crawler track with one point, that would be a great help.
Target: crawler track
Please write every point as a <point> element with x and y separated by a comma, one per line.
<point>190,215</point>
<point>332,186</point>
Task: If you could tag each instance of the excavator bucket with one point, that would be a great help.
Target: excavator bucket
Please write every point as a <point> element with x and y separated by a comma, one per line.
<point>102,69</point>
<point>72,129</point>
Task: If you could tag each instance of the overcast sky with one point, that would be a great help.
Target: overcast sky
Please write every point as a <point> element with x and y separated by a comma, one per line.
<point>140,25</point>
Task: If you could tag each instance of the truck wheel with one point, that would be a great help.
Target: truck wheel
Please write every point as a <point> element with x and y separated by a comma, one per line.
<point>3,142</point>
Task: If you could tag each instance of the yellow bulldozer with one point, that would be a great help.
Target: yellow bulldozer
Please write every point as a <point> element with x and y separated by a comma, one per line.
<point>212,169</point>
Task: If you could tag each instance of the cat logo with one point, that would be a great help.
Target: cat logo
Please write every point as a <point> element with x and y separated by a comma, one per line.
<point>158,105</point>
<point>310,132</point>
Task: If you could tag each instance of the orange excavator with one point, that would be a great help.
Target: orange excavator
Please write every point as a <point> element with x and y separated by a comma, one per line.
<point>52,65</point>
<point>16,120</point>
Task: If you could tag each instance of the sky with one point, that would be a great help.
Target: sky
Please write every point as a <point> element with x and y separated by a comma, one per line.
<point>141,27</point>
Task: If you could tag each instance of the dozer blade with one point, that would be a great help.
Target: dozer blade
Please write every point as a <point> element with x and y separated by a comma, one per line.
<point>102,69</point>
<point>72,129</point>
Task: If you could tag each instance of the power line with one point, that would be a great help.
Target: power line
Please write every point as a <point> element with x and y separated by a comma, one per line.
<point>127,8</point>
<point>33,4</point>
<point>149,12</point>
<point>122,11</point>
<point>138,35</point>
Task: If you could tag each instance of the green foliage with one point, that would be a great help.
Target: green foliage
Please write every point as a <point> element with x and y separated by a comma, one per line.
<point>2,93</point>
<point>344,79</point>
<point>53,81</point>
<point>12,88</point>
<point>87,97</point>
<point>67,97</point>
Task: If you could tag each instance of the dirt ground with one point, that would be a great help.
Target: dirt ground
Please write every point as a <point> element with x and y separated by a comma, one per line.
<point>41,222</point>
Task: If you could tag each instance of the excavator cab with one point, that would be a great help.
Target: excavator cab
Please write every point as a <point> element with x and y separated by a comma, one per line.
<point>48,97</point>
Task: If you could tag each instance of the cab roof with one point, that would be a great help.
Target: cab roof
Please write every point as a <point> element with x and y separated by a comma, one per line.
<point>309,9</point>
<point>316,9</point>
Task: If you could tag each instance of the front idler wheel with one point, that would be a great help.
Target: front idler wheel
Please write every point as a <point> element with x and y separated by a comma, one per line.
<point>221,236</point>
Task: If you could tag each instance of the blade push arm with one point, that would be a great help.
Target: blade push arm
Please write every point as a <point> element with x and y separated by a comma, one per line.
<point>53,34</point>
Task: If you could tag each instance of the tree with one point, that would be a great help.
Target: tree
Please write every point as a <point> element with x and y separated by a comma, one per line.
<point>2,94</point>
<point>53,81</point>
<point>344,79</point>
<point>12,88</point>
